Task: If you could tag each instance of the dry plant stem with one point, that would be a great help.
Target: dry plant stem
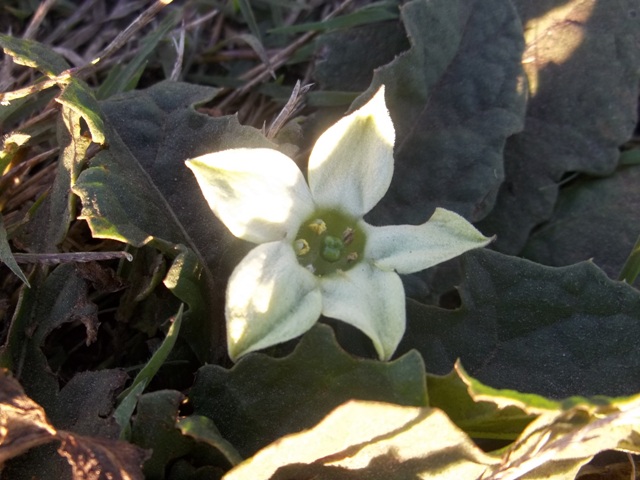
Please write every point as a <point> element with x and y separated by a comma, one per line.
<point>88,69</point>
<point>72,257</point>
<point>293,105</point>
<point>142,20</point>
<point>64,27</point>
<point>32,188</point>
<point>179,46</point>
<point>261,72</point>
<point>37,18</point>
<point>22,168</point>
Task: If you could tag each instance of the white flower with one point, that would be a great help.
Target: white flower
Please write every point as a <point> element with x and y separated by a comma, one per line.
<point>317,255</point>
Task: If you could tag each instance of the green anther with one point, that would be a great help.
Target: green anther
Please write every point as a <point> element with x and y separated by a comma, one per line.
<point>301,246</point>
<point>332,249</point>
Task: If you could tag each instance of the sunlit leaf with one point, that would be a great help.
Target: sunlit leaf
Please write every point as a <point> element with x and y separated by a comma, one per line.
<point>371,440</point>
<point>33,54</point>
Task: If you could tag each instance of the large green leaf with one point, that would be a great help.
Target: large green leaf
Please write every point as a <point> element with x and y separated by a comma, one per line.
<point>140,192</point>
<point>263,398</point>
<point>595,218</point>
<point>557,332</point>
<point>454,97</point>
<point>582,62</point>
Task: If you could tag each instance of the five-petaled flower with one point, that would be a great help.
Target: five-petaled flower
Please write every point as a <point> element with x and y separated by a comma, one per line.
<point>316,255</point>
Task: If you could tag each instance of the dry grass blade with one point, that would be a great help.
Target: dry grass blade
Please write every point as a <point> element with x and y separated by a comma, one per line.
<point>38,17</point>
<point>71,257</point>
<point>261,72</point>
<point>143,19</point>
<point>293,105</point>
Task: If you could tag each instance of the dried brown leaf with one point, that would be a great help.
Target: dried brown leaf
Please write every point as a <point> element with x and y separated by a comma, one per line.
<point>23,423</point>
<point>93,458</point>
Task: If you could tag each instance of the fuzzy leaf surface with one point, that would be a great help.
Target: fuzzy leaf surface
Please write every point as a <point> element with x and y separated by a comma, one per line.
<point>454,97</point>
<point>595,219</point>
<point>263,398</point>
<point>582,65</point>
<point>557,332</point>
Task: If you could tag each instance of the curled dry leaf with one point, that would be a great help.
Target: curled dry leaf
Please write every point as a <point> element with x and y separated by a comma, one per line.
<point>23,423</point>
<point>93,458</point>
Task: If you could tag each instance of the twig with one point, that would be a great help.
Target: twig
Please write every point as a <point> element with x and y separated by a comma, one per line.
<point>37,18</point>
<point>260,72</point>
<point>71,257</point>
<point>291,107</point>
<point>143,19</point>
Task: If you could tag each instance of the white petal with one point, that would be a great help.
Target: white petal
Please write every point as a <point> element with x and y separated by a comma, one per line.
<point>270,299</point>
<point>258,193</point>
<point>351,164</point>
<point>411,248</point>
<point>371,300</point>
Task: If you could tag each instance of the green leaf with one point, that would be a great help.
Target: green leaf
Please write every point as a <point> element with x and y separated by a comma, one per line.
<point>594,218</point>
<point>353,442</point>
<point>6,255</point>
<point>263,398</point>
<point>154,428</point>
<point>454,97</point>
<point>339,70</point>
<point>582,64</point>
<point>33,54</point>
<point>249,17</point>
<point>565,435</point>
<point>480,419</point>
<point>129,396</point>
<point>557,332</point>
<point>204,430</point>
<point>77,96</point>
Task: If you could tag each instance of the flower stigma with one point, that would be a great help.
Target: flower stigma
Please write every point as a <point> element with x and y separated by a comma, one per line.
<point>329,241</point>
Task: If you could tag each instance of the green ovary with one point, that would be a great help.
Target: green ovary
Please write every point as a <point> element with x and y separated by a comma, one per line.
<point>331,242</point>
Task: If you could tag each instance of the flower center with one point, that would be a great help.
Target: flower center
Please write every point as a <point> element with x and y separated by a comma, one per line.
<point>329,241</point>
